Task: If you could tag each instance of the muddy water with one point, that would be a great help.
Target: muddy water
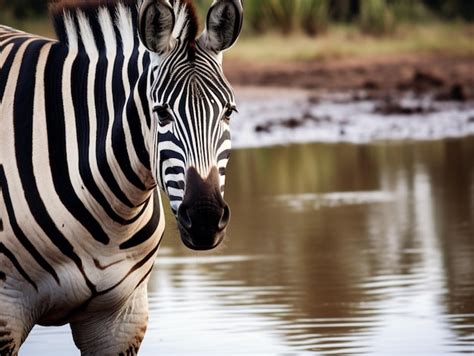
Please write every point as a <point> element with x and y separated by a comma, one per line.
<point>333,248</point>
<point>275,116</point>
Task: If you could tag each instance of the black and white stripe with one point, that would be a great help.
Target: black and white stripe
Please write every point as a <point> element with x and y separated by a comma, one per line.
<point>82,148</point>
<point>200,92</point>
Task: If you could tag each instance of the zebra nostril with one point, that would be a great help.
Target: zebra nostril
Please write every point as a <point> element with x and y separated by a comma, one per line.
<point>225,218</point>
<point>183,216</point>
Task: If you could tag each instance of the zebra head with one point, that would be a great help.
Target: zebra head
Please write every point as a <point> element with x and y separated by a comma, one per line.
<point>192,104</point>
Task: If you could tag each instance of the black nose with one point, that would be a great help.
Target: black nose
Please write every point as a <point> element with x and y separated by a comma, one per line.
<point>206,214</point>
<point>203,215</point>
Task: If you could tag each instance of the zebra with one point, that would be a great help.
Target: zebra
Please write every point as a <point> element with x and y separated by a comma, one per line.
<point>130,98</point>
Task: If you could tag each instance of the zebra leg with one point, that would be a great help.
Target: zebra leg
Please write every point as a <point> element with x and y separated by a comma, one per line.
<point>14,324</point>
<point>16,310</point>
<point>8,344</point>
<point>10,338</point>
<point>116,332</point>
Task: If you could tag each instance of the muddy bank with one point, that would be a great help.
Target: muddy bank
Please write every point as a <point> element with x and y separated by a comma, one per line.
<point>353,100</point>
<point>448,77</point>
<point>279,116</point>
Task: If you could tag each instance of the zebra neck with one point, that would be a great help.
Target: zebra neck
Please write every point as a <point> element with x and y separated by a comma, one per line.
<point>106,25</point>
<point>109,85</point>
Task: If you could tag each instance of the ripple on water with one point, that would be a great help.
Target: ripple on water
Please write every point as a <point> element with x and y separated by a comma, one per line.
<point>303,202</point>
<point>386,269</point>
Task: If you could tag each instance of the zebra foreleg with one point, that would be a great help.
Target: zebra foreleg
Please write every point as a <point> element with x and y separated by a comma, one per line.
<point>8,346</point>
<point>117,332</point>
<point>13,328</point>
<point>16,312</point>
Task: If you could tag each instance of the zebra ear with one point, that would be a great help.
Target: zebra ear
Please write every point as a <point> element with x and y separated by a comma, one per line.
<point>156,23</point>
<point>223,25</point>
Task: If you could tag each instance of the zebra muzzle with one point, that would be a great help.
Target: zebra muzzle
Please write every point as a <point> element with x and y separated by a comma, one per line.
<point>203,216</point>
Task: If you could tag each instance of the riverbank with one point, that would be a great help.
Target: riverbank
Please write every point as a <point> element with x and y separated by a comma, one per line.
<point>357,99</point>
<point>446,76</point>
<point>281,116</point>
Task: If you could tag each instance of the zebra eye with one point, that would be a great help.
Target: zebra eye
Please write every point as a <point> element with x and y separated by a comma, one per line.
<point>229,111</point>
<point>163,113</point>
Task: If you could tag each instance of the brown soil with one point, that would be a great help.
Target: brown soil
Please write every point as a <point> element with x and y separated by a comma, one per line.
<point>450,77</point>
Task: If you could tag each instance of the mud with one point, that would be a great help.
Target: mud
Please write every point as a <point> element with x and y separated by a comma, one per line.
<point>292,122</point>
<point>448,77</point>
<point>391,106</point>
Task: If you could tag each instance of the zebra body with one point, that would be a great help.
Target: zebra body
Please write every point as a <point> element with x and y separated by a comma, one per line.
<point>127,99</point>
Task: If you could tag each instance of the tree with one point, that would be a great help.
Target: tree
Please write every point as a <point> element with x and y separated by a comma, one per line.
<point>24,8</point>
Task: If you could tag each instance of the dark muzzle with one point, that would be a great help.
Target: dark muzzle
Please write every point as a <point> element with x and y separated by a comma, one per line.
<point>203,215</point>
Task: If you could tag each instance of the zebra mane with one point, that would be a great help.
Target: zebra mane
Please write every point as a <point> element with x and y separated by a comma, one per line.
<point>81,23</point>
<point>97,20</point>
<point>60,5</point>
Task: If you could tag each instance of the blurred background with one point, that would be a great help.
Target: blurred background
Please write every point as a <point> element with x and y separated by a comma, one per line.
<point>351,186</point>
<point>311,17</point>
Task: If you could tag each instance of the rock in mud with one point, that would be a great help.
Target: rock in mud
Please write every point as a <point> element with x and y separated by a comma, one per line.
<point>392,107</point>
<point>291,123</point>
<point>456,92</point>
<point>370,85</point>
<point>264,128</point>
<point>422,81</point>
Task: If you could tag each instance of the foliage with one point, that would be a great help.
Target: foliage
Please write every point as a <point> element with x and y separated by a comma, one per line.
<point>314,16</point>
<point>376,17</point>
<point>309,16</point>
<point>411,12</point>
<point>341,41</point>
<point>23,8</point>
<point>451,9</point>
<point>373,16</point>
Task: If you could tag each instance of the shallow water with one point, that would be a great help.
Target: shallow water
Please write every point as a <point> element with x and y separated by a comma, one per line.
<point>333,248</point>
<point>279,116</point>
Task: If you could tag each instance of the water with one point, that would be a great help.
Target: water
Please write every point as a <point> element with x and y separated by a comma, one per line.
<point>279,116</point>
<point>333,248</point>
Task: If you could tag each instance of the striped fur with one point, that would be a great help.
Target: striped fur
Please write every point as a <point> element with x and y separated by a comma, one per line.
<point>82,151</point>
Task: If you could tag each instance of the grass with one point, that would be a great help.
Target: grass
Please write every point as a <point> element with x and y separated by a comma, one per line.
<point>338,41</point>
<point>348,41</point>
<point>41,25</point>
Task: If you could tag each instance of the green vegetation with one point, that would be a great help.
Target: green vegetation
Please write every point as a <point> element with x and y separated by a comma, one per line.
<point>347,41</point>
<point>21,9</point>
<point>281,30</point>
<point>376,17</point>
<point>262,16</point>
<point>40,25</point>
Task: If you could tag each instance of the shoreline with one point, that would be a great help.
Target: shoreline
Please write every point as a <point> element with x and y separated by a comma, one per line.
<point>447,76</point>
<point>357,100</point>
<point>284,116</point>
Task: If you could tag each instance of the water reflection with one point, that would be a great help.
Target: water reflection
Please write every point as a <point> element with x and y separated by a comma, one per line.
<point>332,249</point>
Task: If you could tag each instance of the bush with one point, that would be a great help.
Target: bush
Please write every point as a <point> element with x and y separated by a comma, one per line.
<point>23,8</point>
<point>411,11</point>
<point>376,17</point>
<point>314,16</point>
